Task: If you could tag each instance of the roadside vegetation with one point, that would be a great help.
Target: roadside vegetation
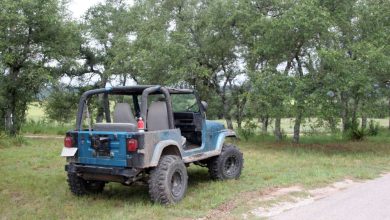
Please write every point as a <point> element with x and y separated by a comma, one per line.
<point>255,63</point>
<point>35,180</point>
<point>305,83</point>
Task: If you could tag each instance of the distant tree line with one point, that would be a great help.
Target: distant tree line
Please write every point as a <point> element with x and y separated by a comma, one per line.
<point>262,60</point>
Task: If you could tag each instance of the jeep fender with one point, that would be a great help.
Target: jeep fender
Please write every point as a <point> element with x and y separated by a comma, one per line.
<point>221,138</point>
<point>159,148</point>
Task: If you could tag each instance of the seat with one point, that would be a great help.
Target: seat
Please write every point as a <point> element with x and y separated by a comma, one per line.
<point>157,116</point>
<point>123,120</point>
<point>122,114</point>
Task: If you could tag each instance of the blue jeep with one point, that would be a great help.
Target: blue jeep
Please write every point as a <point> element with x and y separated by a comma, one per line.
<point>168,131</point>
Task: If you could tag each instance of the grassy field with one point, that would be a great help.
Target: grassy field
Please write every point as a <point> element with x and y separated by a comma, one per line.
<point>37,123</point>
<point>34,184</point>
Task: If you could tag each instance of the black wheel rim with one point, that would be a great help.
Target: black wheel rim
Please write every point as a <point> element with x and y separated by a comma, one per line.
<point>176,183</point>
<point>231,166</point>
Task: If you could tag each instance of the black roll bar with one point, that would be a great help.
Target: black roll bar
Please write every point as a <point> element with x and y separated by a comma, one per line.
<point>144,103</point>
<point>146,90</point>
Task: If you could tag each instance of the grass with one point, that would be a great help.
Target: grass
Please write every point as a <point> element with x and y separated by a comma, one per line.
<point>34,181</point>
<point>46,127</point>
<point>37,123</point>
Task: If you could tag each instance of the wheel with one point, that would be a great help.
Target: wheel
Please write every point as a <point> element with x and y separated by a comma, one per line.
<point>168,181</point>
<point>80,187</point>
<point>227,165</point>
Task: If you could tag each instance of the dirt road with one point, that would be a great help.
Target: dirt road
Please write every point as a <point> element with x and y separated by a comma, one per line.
<point>368,200</point>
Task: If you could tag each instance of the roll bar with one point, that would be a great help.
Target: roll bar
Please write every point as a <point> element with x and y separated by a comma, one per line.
<point>144,103</point>
<point>146,91</point>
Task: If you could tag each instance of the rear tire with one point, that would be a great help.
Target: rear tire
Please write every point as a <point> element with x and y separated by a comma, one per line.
<point>79,187</point>
<point>168,181</point>
<point>228,165</point>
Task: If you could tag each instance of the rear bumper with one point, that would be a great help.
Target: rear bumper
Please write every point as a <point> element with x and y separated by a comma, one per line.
<point>127,173</point>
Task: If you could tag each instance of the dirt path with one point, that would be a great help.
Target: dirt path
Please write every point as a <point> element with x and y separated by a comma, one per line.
<point>43,136</point>
<point>368,200</point>
<point>296,202</point>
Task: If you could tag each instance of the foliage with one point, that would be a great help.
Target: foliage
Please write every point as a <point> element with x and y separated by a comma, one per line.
<point>355,133</point>
<point>248,59</point>
<point>248,130</point>
<point>6,141</point>
<point>373,128</point>
<point>34,35</point>
<point>61,105</point>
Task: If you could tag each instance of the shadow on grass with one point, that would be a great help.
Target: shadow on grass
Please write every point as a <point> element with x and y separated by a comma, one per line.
<point>138,192</point>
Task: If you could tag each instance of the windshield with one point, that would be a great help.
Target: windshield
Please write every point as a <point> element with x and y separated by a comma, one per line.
<point>184,103</point>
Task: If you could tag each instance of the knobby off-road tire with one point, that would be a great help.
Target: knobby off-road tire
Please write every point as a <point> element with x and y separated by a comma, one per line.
<point>228,165</point>
<point>80,187</point>
<point>168,181</point>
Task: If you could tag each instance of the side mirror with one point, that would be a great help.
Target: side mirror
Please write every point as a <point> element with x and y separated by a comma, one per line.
<point>204,105</point>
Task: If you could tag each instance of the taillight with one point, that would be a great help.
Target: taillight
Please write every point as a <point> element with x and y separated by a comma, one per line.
<point>132,145</point>
<point>68,141</point>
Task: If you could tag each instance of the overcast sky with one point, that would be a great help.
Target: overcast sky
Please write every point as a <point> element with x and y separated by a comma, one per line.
<point>79,7</point>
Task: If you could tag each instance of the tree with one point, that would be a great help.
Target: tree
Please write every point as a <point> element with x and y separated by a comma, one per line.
<point>195,46</point>
<point>107,50</point>
<point>36,37</point>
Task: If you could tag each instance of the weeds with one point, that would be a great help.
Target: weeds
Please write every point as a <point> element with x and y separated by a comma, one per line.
<point>43,126</point>
<point>373,128</point>
<point>6,141</point>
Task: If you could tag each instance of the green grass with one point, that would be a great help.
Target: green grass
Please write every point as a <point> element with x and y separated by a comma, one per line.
<point>46,127</point>
<point>37,123</point>
<point>34,181</point>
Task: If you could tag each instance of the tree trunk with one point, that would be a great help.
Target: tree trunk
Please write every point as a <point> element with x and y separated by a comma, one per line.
<point>264,121</point>
<point>364,121</point>
<point>332,124</point>
<point>100,110</point>
<point>12,120</point>
<point>103,110</point>
<point>278,131</point>
<point>240,110</point>
<point>229,123</point>
<point>297,126</point>
<point>239,122</point>
<point>354,111</point>
<point>389,113</point>
<point>344,113</point>
<point>226,114</point>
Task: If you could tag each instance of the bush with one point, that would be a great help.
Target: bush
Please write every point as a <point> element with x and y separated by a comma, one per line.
<point>373,128</point>
<point>61,105</point>
<point>248,130</point>
<point>355,133</point>
<point>7,141</point>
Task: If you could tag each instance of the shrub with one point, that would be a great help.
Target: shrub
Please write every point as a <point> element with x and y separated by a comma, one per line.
<point>373,128</point>
<point>7,141</point>
<point>248,130</point>
<point>355,133</point>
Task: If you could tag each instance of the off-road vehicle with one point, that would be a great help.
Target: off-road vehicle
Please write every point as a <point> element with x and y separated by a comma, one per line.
<point>168,132</point>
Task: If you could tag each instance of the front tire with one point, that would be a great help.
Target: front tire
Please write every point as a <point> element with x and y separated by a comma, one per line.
<point>228,165</point>
<point>80,187</point>
<point>168,181</point>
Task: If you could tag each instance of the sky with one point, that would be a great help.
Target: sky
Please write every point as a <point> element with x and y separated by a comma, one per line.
<point>79,7</point>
